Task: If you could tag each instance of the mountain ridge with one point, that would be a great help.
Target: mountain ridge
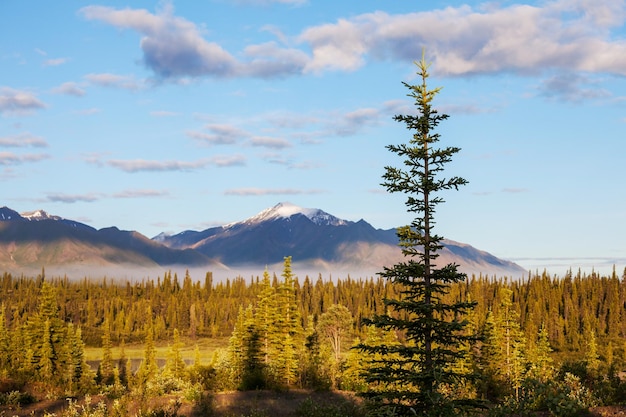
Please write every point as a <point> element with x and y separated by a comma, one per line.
<point>289,230</point>
<point>312,237</point>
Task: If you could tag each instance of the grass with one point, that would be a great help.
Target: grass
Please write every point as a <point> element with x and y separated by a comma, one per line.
<point>207,347</point>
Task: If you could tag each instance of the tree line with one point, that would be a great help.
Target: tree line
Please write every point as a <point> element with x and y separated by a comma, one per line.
<point>569,307</point>
<point>285,334</point>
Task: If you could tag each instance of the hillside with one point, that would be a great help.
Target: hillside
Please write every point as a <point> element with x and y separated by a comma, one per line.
<point>317,241</point>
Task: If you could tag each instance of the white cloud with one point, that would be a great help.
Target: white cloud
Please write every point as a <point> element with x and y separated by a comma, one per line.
<point>18,102</point>
<point>352,122</point>
<point>72,198</point>
<point>113,80</point>
<point>23,140</point>
<point>70,89</point>
<point>251,191</point>
<point>268,2</point>
<point>139,165</point>
<point>339,46</point>
<point>143,165</point>
<point>172,46</point>
<point>164,113</point>
<point>269,60</point>
<point>55,62</point>
<point>228,160</point>
<point>220,134</point>
<point>270,142</point>
<point>604,14</point>
<point>10,158</point>
<point>521,38</point>
<point>140,193</point>
<point>572,87</point>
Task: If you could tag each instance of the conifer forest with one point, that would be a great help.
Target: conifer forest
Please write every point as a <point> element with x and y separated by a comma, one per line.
<point>546,343</point>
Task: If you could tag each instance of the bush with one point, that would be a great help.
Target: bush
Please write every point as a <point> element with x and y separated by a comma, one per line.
<point>170,411</point>
<point>16,398</point>
<point>204,375</point>
<point>566,397</point>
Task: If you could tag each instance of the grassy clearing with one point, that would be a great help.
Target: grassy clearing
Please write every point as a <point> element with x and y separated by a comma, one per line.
<point>207,347</point>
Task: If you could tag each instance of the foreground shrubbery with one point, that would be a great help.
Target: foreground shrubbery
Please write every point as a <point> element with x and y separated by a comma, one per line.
<point>16,398</point>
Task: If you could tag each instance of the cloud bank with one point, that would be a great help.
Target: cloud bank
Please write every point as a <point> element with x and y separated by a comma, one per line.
<point>520,38</point>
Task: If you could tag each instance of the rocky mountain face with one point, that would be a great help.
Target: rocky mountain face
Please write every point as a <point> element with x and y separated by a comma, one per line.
<point>317,242</point>
<point>314,237</point>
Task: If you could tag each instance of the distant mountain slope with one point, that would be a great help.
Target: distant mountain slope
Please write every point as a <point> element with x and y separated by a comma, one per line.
<point>317,241</point>
<point>38,239</point>
<point>315,237</point>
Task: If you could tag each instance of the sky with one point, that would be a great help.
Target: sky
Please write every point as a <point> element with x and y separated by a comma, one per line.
<point>164,116</point>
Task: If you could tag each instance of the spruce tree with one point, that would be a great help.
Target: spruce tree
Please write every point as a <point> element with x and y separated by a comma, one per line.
<point>175,364</point>
<point>5,345</point>
<point>289,326</point>
<point>105,370</point>
<point>411,377</point>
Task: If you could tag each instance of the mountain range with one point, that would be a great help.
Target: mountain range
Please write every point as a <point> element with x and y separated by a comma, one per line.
<point>318,242</point>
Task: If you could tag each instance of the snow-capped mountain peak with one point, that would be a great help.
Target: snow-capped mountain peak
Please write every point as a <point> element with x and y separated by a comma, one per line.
<point>39,215</point>
<point>285,210</point>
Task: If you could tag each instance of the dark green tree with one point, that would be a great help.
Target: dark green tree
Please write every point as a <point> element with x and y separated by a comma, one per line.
<point>411,377</point>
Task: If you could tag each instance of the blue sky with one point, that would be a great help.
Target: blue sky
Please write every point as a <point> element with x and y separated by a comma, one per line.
<point>167,116</point>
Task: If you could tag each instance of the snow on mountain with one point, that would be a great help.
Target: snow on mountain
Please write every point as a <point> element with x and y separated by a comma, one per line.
<point>161,237</point>
<point>286,210</point>
<point>38,215</point>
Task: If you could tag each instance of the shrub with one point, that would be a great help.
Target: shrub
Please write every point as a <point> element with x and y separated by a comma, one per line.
<point>16,398</point>
<point>566,397</point>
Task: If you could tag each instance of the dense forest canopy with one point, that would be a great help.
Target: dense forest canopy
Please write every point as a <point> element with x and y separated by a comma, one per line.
<point>544,339</point>
<point>569,307</point>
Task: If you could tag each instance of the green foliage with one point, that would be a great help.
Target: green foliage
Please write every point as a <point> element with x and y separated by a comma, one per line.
<point>16,398</point>
<point>411,375</point>
<point>267,340</point>
<point>563,397</point>
<point>504,350</point>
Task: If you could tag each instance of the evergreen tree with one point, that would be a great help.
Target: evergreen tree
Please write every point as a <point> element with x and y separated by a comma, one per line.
<point>47,358</point>
<point>539,360</point>
<point>5,345</point>
<point>431,328</point>
<point>288,331</point>
<point>148,368</point>
<point>505,346</point>
<point>105,370</point>
<point>80,374</point>
<point>175,365</point>
<point>123,365</point>
<point>592,357</point>
<point>266,316</point>
<point>236,344</point>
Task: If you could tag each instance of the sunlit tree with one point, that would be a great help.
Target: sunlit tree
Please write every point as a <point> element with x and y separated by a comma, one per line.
<point>410,375</point>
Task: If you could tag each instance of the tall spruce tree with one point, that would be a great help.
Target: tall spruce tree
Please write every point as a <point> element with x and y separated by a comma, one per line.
<point>411,377</point>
